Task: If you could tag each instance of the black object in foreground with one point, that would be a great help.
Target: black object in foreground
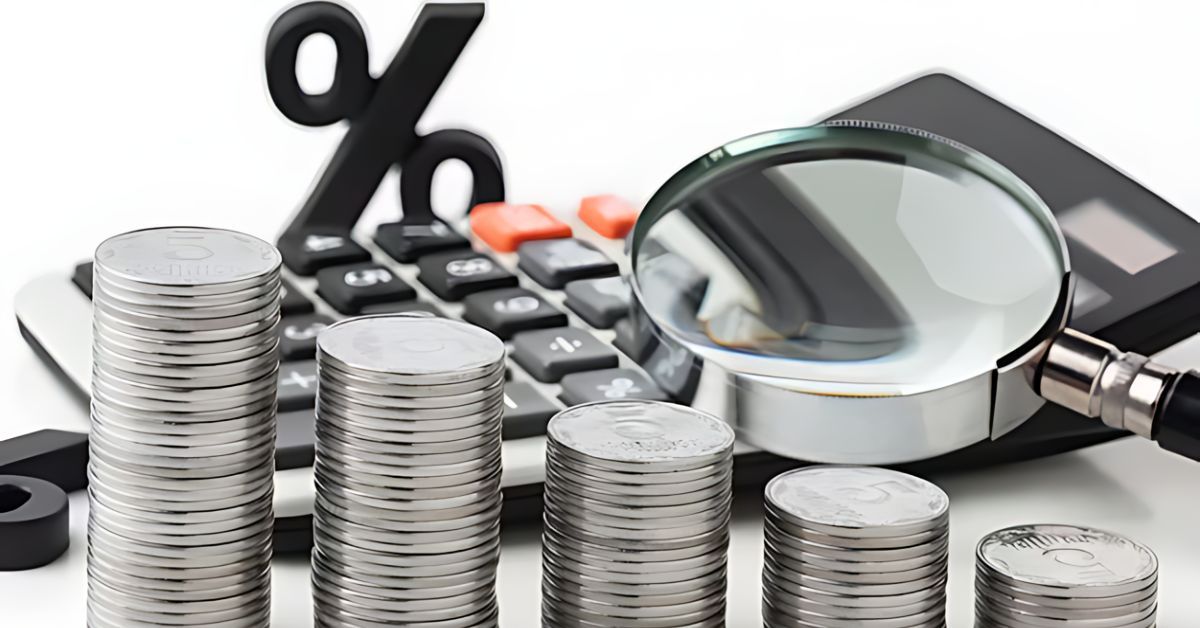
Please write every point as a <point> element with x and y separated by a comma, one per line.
<point>35,522</point>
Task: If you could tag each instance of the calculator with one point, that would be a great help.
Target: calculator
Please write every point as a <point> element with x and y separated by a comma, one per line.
<point>550,283</point>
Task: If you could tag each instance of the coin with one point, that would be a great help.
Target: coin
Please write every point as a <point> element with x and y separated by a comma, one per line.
<point>183,428</point>
<point>636,516</point>
<point>1052,575</point>
<point>407,519</point>
<point>854,546</point>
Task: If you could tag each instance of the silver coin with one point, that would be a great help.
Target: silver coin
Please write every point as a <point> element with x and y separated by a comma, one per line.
<point>857,501</point>
<point>1055,602</point>
<point>1005,617</point>
<point>631,434</point>
<point>1002,602</point>
<point>187,257</point>
<point>833,552</point>
<point>782,576</point>
<point>785,599</point>
<point>416,350</point>
<point>1067,560</point>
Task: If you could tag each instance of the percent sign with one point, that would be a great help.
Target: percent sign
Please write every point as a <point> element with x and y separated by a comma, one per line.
<point>382,112</point>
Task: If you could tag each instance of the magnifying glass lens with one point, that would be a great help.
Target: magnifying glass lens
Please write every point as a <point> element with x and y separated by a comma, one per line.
<point>850,254</point>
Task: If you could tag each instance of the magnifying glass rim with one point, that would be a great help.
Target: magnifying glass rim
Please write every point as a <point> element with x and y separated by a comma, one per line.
<point>849,139</point>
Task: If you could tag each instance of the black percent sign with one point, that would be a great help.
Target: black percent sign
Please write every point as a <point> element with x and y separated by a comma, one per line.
<point>382,112</point>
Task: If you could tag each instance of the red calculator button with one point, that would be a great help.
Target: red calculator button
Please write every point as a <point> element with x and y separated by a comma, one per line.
<point>609,215</point>
<point>504,226</point>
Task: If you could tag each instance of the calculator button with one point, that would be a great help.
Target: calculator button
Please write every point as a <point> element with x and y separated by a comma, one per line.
<point>350,288</point>
<point>305,254</point>
<point>526,412</point>
<point>609,215</point>
<point>405,307</point>
<point>608,385</point>
<point>295,434</point>
<point>506,312</point>
<point>455,274</point>
<point>82,278</point>
<point>297,385</point>
<point>298,336</point>
<point>504,226</point>
<point>635,343</point>
<point>405,242</point>
<point>600,302</point>
<point>291,301</point>
<point>553,263</point>
<point>549,354</point>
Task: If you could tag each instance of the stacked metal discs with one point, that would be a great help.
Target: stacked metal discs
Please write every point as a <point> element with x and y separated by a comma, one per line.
<point>636,516</point>
<point>855,546</point>
<point>407,471</point>
<point>1057,575</point>
<point>183,429</point>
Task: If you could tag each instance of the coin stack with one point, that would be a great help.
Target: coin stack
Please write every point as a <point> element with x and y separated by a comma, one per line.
<point>1060,575</point>
<point>636,516</point>
<point>183,429</point>
<point>407,519</point>
<point>854,546</point>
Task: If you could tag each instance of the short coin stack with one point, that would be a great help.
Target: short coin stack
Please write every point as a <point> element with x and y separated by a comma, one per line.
<point>183,429</point>
<point>407,519</point>
<point>854,546</point>
<point>636,516</point>
<point>1059,575</point>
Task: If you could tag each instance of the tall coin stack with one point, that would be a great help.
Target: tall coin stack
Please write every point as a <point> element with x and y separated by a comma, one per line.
<point>636,516</point>
<point>854,546</point>
<point>183,429</point>
<point>1058,575</point>
<point>407,518</point>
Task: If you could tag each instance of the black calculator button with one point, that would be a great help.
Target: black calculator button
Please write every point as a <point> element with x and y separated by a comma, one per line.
<point>406,242</point>
<point>526,412</point>
<point>297,385</point>
<point>452,275</point>
<point>553,263</point>
<point>305,254</point>
<point>350,288</point>
<point>82,278</point>
<point>295,434</point>
<point>549,354</point>
<point>608,385</point>
<point>404,307</point>
<point>508,311</point>
<point>600,302</point>
<point>298,336</point>
<point>291,301</point>
<point>635,343</point>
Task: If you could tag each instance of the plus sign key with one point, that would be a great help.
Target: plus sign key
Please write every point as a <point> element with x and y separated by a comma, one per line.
<point>549,354</point>
<point>297,385</point>
<point>609,385</point>
<point>455,274</point>
<point>351,288</point>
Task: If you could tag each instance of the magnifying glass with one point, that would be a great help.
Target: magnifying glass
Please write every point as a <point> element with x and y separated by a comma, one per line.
<point>861,292</point>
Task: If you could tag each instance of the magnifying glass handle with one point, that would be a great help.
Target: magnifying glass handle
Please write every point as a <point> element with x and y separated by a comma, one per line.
<point>1127,391</point>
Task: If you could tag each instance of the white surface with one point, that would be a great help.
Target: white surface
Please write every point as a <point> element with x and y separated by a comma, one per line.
<point>126,114</point>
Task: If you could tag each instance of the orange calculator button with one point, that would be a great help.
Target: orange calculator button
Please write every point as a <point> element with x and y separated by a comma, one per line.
<point>609,215</point>
<point>504,226</point>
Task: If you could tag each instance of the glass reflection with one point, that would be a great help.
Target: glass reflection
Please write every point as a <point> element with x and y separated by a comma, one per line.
<point>886,267</point>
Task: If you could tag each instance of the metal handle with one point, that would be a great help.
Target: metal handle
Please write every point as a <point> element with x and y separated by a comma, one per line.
<point>1126,391</point>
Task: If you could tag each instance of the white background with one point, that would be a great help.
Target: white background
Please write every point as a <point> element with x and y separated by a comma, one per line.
<point>117,115</point>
